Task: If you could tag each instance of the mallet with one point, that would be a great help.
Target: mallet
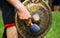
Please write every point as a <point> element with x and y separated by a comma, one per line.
<point>33,27</point>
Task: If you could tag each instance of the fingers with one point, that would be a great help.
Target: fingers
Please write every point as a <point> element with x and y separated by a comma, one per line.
<point>35,1</point>
<point>24,16</point>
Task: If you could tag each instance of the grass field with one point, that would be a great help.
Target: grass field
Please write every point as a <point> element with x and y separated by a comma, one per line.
<point>1,27</point>
<point>55,28</point>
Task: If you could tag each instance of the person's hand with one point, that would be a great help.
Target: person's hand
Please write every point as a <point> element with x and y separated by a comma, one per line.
<point>24,15</point>
<point>35,1</point>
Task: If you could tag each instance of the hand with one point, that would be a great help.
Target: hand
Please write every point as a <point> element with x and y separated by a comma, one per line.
<point>35,1</point>
<point>24,15</point>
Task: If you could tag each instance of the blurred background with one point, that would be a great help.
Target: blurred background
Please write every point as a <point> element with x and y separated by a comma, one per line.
<point>54,32</point>
<point>54,4</point>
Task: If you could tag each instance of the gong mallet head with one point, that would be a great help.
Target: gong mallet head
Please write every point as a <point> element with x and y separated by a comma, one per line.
<point>33,27</point>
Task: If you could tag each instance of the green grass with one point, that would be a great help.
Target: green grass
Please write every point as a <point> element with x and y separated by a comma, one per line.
<point>1,27</point>
<point>54,31</point>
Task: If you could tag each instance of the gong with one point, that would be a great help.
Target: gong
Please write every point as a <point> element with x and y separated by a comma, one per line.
<point>41,15</point>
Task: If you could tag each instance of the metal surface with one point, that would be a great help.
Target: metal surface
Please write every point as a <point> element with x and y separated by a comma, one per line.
<point>41,15</point>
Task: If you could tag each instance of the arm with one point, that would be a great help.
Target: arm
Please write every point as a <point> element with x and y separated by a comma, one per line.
<point>18,5</point>
<point>23,13</point>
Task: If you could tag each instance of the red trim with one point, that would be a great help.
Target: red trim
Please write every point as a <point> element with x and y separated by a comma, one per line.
<point>8,25</point>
